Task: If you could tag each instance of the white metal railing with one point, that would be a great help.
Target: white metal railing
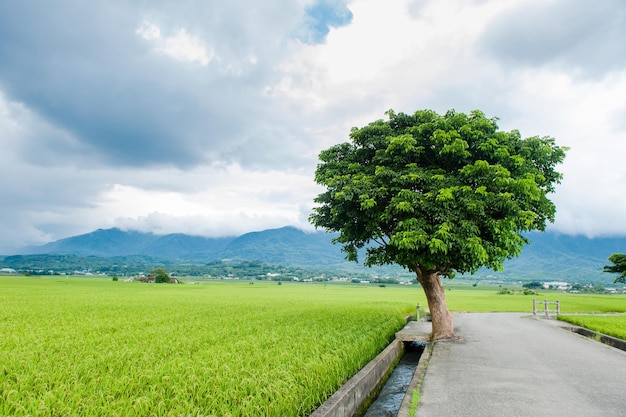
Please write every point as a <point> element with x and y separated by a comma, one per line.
<point>546,307</point>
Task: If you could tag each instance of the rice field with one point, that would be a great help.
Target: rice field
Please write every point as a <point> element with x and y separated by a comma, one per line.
<point>609,325</point>
<point>88,347</point>
<point>487,299</point>
<point>95,347</point>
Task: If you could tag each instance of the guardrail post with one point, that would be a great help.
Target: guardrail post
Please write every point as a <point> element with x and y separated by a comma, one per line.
<point>534,307</point>
<point>558,308</point>
<point>547,308</point>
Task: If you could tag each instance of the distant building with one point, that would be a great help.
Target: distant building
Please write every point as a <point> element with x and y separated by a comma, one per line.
<point>7,271</point>
<point>557,285</point>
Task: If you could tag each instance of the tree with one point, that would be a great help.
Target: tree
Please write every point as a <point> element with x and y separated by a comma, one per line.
<point>436,194</point>
<point>533,285</point>
<point>619,266</point>
<point>159,275</point>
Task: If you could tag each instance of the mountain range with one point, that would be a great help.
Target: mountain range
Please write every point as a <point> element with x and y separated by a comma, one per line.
<point>287,245</point>
<point>549,257</point>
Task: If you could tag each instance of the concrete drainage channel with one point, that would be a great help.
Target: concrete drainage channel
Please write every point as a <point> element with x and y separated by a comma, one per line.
<point>351,399</point>
<point>389,400</point>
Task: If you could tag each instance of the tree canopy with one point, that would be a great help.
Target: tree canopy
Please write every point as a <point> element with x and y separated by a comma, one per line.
<point>160,275</point>
<point>437,194</point>
<point>619,267</point>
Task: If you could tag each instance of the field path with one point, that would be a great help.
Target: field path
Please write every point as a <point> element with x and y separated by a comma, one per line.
<point>509,364</point>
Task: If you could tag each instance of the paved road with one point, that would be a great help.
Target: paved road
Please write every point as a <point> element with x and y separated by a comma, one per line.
<point>510,365</point>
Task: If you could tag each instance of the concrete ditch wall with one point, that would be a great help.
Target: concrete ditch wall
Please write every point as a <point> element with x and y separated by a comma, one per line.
<point>346,401</point>
<point>607,340</point>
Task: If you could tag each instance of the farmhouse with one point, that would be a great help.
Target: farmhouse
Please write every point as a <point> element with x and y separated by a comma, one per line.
<point>7,271</point>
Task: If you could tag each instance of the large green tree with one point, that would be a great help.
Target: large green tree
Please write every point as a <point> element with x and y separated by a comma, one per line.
<point>437,194</point>
<point>619,266</point>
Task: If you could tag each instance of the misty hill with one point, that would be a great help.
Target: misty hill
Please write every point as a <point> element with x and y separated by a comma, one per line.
<point>287,245</point>
<point>549,257</point>
<point>555,257</point>
<point>115,242</point>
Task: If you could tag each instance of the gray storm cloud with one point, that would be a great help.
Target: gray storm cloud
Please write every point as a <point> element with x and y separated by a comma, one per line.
<point>153,86</point>
<point>568,34</point>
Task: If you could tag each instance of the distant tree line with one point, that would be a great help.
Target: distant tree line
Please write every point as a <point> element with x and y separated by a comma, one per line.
<point>126,266</point>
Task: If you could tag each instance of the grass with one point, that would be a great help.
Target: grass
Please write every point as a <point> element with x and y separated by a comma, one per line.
<point>609,325</point>
<point>415,400</point>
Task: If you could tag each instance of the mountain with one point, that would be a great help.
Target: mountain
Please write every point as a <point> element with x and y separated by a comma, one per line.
<point>556,257</point>
<point>116,242</point>
<point>286,245</point>
<point>549,257</point>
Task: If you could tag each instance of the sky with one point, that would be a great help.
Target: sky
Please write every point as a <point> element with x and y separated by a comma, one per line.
<point>207,117</point>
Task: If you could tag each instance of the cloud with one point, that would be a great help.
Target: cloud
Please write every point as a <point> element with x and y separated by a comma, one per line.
<point>210,201</point>
<point>181,46</point>
<point>433,55</point>
<point>108,108</point>
<point>142,86</point>
<point>207,117</point>
<point>571,35</point>
<point>44,200</point>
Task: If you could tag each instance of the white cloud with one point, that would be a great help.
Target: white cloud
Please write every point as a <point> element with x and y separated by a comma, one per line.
<point>583,115</point>
<point>393,56</point>
<point>181,46</point>
<point>216,201</point>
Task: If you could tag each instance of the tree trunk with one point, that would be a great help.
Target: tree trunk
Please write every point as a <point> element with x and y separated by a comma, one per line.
<point>443,325</point>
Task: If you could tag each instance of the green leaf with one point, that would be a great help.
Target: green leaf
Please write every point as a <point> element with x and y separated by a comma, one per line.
<point>404,206</point>
<point>437,246</point>
<point>446,194</point>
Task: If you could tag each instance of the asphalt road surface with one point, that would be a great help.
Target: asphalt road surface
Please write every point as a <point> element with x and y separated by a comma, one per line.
<point>510,365</point>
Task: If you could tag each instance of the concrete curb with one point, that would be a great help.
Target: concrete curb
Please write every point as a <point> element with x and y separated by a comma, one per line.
<point>350,397</point>
<point>607,340</point>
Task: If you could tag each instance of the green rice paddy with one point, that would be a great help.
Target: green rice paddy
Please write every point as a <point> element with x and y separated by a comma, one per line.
<point>609,325</point>
<point>95,347</point>
<point>88,347</point>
